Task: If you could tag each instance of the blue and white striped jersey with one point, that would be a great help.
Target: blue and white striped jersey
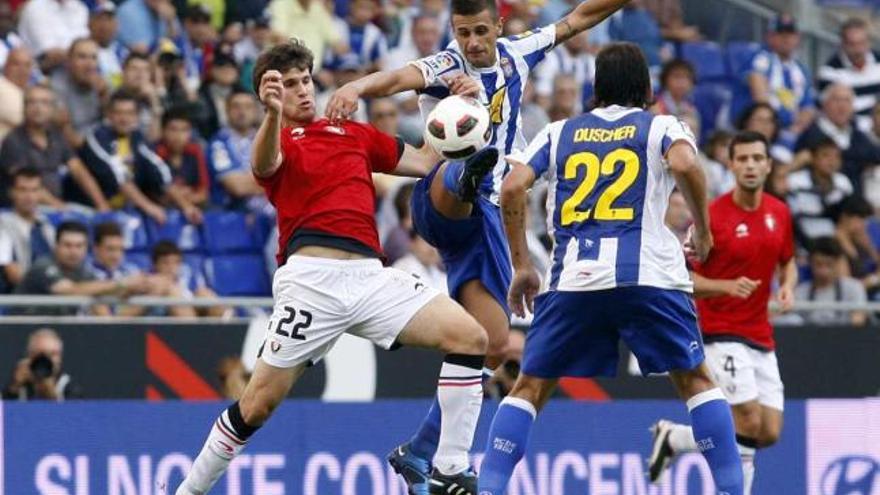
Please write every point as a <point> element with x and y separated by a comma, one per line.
<point>609,187</point>
<point>503,86</point>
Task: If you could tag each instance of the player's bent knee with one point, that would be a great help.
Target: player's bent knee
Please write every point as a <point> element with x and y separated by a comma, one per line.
<point>692,382</point>
<point>748,420</point>
<point>497,345</point>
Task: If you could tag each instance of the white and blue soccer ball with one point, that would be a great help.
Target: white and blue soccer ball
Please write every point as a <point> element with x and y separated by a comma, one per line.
<point>458,127</point>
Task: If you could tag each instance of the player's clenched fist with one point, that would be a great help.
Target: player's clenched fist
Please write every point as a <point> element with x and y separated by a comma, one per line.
<point>343,103</point>
<point>272,90</point>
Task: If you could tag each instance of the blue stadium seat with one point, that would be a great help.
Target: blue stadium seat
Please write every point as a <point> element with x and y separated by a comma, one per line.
<point>737,54</point>
<point>188,237</point>
<point>133,228</point>
<point>238,275</point>
<point>707,59</point>
<point>710,99</point>
<point>58,216</point>
<point>230,232</point>
<point>874,231</point>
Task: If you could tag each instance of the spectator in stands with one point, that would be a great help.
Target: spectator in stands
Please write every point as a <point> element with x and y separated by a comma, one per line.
<point>256,39</point>
<point>775,76</point>
<point>9,37</point>
<point>635,24</point>
<point>80,89</point>
<point>246,11</point>
<point>670,17</point>
<point>187,283</point>
<point>425,36</point>
<point>346,68</point>
<point>184,155</point>
<point>863,261</point>
<point>103,29</point>
<point>125,167</point>
<point>716,163</point>
<point>573,59</point>
<point>677,81</point>
<point>566,101</point>
<point>25,233</point>
<point>761,118</point>
<point>49,27</point>
<point>678,216</point>
<point>40,374</point>
<point>137,79</point>
<point>815,193</point>
<point>397,239</point>
<point>16,75</point>
<point>66,274</point>
<point>364,38</point>
<point>142,23</point>
<point>383,115</point>
<point>860,154</point>
<point>534,117</point>
<point>856,66</point>
<point>198,42</point>
<point>829,285</point>
<point>234,186</point>
<point>171,78</point>
<point>40,144</point>
<point>310,21</point>
<point>424,263</point>
<point>221,82</point>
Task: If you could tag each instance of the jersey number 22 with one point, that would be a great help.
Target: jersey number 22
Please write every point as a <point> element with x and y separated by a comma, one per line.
<point>605,209</point>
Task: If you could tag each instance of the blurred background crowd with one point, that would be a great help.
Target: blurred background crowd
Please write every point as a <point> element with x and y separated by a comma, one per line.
<point>126,127</point>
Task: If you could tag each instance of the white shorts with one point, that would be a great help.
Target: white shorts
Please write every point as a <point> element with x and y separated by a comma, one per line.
<point>746,374</point>
<point>319,299</point>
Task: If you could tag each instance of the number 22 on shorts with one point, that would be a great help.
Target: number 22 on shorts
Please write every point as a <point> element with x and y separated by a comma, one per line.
<point>284,328</point>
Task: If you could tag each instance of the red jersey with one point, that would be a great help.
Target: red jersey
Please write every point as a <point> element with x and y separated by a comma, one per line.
<point>747,244</point>
<point>323,191</point>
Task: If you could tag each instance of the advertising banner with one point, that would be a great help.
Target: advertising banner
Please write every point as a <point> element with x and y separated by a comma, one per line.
<point>843,447</point>
<point>314,448</point>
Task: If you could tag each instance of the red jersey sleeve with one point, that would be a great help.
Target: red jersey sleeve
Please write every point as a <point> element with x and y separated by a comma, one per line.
<point>383,150</point>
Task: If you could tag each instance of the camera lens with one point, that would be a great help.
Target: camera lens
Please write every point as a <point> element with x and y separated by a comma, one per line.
<point>41,366</point>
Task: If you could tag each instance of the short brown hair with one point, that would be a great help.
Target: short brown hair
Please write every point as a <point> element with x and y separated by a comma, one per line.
<point>853,23</point>
<point>105,230</point>
<point>292,54</point>
<point>164,248</point>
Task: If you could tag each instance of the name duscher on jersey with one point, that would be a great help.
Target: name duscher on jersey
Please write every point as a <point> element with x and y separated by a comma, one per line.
<point>594,135</point>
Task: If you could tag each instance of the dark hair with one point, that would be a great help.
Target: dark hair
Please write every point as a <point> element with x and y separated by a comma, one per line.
<point>822,143</point>
<point>292,54</point>
<point>75,43</point>
<point>856,206</point>
<point>163,249</point>
<point>71,226</point>
<point>719,137</point>
<point>401,200</point>
<point>622,77</point>
<point>827,246</point>
<point>238,90</point>
<point>746,114</point>
<point>674,65</point>
<point>177,112</point>
<point>29,172</point>
<point>853,23</point>
<point>748,137</point>
<point>473,7</point>
<point>105,230</point>
<point>135,56</point>
<point>122,95</point>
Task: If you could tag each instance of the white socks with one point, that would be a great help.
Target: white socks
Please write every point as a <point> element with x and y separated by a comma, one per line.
<point>681,439</point>
<point>747,455</point>
<point>223,444</point>
<point>460,395</point>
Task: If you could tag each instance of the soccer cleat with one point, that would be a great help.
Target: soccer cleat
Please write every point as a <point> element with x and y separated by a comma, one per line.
<point>416,472</point>
<point>463,483</point>
<point>661,452</point>
<point>475,168</point>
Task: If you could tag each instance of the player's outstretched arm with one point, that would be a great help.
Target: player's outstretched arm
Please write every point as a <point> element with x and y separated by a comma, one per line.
<point>416,162</point>
<point>514,204</point>
<point>344,101</point>
<point>266,152</point>
<point>584,16</point>
<point>691,181</point>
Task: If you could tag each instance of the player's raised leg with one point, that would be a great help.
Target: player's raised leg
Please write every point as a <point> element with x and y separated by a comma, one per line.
<point>444,325</point>
<point>509,433</point>
<point>233,428</point>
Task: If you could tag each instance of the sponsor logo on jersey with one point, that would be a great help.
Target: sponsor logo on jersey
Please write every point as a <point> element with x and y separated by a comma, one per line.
<point>770,220</point>
<point>297,133</point>
<point>440,63</point>
<point>335,130</point>
<point>742,230</point>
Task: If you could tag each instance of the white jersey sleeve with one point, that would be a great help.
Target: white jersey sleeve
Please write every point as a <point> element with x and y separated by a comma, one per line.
<point>540,153</point>
<point>534,45</point>
<point>670,130</point>
<point>435,66</point>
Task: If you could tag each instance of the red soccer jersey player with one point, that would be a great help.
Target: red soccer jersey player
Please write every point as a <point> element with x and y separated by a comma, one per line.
<point>753,238</point>
<point>330,280</point>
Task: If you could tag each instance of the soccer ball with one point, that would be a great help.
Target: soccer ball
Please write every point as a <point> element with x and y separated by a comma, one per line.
<point>458,127</point>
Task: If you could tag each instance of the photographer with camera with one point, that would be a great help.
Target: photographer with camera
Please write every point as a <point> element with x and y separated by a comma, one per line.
<point>39,375</point>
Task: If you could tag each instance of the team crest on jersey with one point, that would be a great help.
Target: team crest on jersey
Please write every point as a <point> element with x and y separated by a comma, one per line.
<point>275,346</point>
<point>742,230</point>
<point>297,133</point>
<point>770,221</point>
<point>335,130</point>
<point>507,66</point>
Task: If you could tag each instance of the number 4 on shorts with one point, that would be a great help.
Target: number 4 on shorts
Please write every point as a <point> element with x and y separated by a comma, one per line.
<point>729,365</point>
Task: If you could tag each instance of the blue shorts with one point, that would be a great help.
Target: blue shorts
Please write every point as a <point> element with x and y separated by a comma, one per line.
<point>577,333</point>
<point>473,248</point>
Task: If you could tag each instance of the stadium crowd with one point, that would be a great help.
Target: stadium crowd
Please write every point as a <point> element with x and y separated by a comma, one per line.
<point>126,131</point>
